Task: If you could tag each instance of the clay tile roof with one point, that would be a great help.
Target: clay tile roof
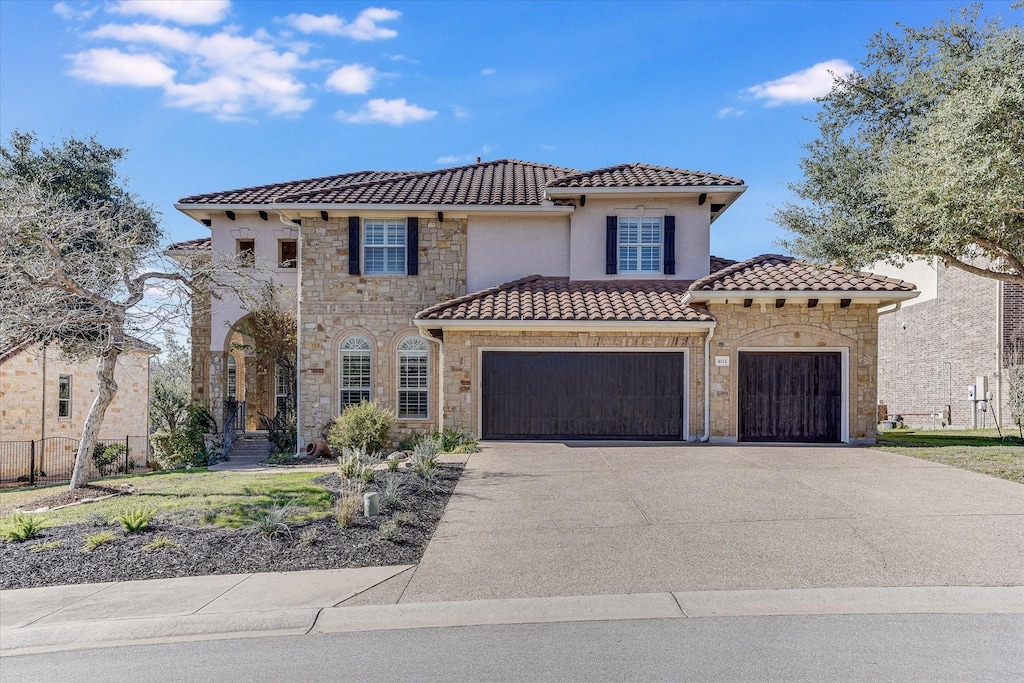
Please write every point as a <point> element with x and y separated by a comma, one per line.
<point>775,273</point>
<point>540,298</point>
<point>263,194</point>
<point>198,244</point>
<point>644,175</point>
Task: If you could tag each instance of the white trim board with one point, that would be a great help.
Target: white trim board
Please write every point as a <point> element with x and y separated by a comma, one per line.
<point>478,375</point>
<point>844,359</point>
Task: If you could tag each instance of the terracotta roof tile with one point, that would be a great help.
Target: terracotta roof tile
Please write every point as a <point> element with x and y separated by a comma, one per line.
<point>198,244</point>
<point>557,298</point>
<point>264,194</point>
<point>775,273</point>
<point>644,175</point>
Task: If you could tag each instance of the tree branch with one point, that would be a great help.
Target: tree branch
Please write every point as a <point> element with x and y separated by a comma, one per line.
<point>1001,250</point>
<point>983,272</point>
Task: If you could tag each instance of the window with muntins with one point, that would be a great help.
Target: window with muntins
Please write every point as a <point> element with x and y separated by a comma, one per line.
<point>413,378</point>
<point>281,389</point>
<point>64,396</point>
<point>354,370</point>
<point>384,246</point>
<point>640,240</point>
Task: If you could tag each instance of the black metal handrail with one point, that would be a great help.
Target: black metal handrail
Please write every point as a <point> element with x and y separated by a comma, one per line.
<point>234,424</point>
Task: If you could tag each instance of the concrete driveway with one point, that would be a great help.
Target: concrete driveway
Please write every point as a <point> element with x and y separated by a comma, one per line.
<point>539,520</point>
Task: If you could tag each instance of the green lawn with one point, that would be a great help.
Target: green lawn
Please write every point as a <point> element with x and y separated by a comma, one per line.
<point>196,497</point>
<point>970,449</point>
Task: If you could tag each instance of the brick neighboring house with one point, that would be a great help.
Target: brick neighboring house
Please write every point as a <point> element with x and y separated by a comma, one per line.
<point>933,347</point>
<point>524,300</point>
<point>43,394</point>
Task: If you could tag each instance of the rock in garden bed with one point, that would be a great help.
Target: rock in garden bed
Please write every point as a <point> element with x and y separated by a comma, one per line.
<point>56,556</point>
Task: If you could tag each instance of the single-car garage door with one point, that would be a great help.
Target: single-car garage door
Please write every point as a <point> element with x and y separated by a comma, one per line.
<point>790,396</point>
<point>565,395</point>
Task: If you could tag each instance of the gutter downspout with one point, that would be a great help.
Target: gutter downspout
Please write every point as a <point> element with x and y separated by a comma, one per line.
<point>440,375</point>
<point>298,331</point>
<point>707,385</point>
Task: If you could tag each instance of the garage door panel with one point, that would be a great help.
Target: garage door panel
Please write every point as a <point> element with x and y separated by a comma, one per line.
<point>560,395</point>
<point>790,396</point>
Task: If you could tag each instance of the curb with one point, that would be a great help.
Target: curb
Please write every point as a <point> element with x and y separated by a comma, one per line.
<point>682,605</point>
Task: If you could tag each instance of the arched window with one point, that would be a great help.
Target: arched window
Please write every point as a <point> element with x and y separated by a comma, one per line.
<point>354,376</point>
<point>413,378</point>
<point>232,378</point>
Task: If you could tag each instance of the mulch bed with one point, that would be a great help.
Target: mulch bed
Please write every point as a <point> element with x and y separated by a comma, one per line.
<point>67,496</point>
<point>212,550</point>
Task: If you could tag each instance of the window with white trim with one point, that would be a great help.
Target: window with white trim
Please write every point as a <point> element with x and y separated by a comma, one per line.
<point>413,378</point>
<point>640,240</point>
<point>384,246</point>
<point>232,378</point>
<point>64,396</point>
<point>281,388</point>
<point>354,374</point>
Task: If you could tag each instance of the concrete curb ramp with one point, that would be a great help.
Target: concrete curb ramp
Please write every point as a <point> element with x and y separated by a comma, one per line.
<point>703,604</point>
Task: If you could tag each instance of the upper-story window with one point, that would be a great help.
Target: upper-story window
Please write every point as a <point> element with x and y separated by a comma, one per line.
<point>640,242</point>
<point>384,246</point>
<point>246,252</point>
<point>287,253</point>
<point>354,376</point>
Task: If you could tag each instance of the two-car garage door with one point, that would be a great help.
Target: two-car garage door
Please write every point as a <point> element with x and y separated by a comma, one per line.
<point>583,395</point>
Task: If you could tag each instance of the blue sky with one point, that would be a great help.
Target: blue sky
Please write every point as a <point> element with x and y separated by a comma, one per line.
<point>215,95</point>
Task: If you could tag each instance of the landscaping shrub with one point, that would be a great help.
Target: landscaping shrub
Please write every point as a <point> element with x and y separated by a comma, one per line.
<point>404,518</point>
<point>348,503</point>
<point>281,432</point>
<point>427,448</point>
<point>186,445</point>
<point>269,524</point>
<point>159,543</point>
<point>96,540</point>
<point>107,458</point>
<point>391,491</point>
<point>390,531</point>
<point>366,426</point>
<point>456,441</point>
<point>425,468</point>
<point>309,537</point>
<point>21,527</point>
<point>135,519</point>
<point>409,442</point>
<point>41,547</point>
<point>393,462</point>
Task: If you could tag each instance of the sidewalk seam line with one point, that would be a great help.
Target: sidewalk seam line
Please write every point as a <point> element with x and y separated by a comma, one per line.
<point>316,617</point>
<point>413,576</point>
<point>370,588</point>
<point>74,602</point>
<point>222,594</point>
<point>623,485</point>
<point>679,605</point>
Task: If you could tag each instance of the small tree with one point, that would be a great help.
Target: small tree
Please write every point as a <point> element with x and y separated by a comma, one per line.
<point>79,253</point>
<point>170,386</point>
<point>274,331</point>
<point>919,154</point>
<point>1015,381</point>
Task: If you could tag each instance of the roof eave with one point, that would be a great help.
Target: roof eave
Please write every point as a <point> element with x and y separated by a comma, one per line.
<point>644,189</point>
<point>544,325</point>
<point>860,296</point>
<point>201,211</point>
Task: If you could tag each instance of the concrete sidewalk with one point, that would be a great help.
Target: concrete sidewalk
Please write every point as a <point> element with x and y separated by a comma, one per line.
<point>49,619</point>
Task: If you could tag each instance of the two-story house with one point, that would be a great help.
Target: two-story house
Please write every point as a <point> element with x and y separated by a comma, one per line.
<point>527,301</point>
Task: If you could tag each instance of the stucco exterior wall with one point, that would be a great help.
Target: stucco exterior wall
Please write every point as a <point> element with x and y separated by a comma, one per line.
<point>381,308</point>
<point>462,370</point>
<point>796,326</point>
<point>693,235</point>
<point>501,249</point>
<point>28,403</point>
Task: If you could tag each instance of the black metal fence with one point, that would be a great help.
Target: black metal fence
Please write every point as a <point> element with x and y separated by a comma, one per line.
<point>51,460</point>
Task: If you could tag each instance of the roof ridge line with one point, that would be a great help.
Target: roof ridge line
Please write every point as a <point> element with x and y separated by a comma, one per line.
<point>640,164</point>
<point>420,174</point>
<point>469,296</point>
<point>294,182</point>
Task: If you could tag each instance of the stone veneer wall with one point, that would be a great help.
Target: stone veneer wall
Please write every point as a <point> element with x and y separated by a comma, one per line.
<point>22,398</point>
<point>930,352</point>
<point>461,355</point>
<point>200,332</point>
<point>335,304</point>
<point>795,325</point>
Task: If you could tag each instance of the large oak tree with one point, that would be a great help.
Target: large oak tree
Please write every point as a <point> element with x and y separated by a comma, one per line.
<point>920,152</point>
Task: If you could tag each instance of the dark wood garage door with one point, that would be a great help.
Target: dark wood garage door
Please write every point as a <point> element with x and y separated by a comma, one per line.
<point>555,395</point>
<point>790,397</point>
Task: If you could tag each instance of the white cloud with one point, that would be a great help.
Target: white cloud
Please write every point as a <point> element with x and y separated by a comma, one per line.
<point>402,58</point>
<point>488,71</point>
<point>548,148</point>
<point>66,11</point>
<point>113,67</point>
<point>454,159</point>
<point>802,86</point>
<point>352,79</point>
<point>187,12</point>
<point>395,112</point>
<point>224,74</point>
<point>730,112</point>
<point>364,27</point>
<point>460,112</point>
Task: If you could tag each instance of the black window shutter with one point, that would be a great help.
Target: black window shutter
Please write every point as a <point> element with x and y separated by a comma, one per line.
<point>611,245</point>
<point>412,246</point>
<point>669,247</point>
<point>354,245</point>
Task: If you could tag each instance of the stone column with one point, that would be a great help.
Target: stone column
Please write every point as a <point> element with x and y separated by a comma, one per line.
<point>218,384</point>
